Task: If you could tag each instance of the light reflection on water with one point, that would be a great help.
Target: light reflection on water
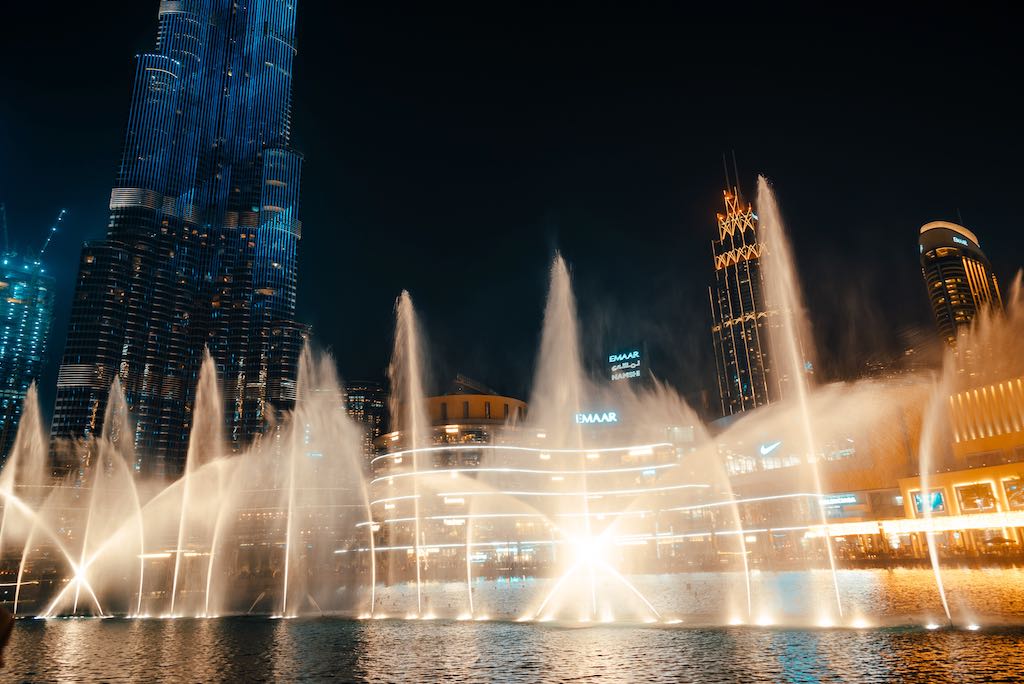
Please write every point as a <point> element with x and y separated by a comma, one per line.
<point>260,649</point>
<point>257,649</point>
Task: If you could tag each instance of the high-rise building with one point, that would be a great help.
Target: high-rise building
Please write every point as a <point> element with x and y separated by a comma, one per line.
<point>201,243</point>
<point>367,403</point>
<point>26,316</point>
<point>958,276</point>
<point>740,320</point>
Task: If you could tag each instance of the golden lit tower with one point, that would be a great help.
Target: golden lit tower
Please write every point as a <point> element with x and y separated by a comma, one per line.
<point>958,276</point>
<point>740,324</point>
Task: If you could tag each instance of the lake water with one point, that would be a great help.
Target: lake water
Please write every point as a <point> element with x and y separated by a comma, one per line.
<point>896,647</point>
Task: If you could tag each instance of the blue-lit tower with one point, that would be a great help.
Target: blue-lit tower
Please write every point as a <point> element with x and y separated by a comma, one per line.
<point>26,316</point>
<point>202,238</point>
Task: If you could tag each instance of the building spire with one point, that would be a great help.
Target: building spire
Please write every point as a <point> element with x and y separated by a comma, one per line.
<point>736,175</point>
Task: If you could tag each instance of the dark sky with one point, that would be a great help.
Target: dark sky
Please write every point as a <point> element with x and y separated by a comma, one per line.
<point>451,152</point>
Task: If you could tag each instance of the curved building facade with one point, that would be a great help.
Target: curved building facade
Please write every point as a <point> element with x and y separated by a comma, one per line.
<point>482,493</point>
<point>958,276</point>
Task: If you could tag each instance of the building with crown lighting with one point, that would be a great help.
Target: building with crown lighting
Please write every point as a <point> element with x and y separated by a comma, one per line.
<point>958,276</point>
<point>26,317</point>
<point>201,243</point>
<point>740,319</point>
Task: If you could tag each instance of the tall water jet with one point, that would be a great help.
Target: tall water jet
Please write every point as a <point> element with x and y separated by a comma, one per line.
<point>23,478</point>
<point>325,479</point>
<point>990,350</point>
<point>118,438</point>
<point>408,410</point>
<point>558,390</point>
<point>934,417</point>
<point>204,445</point>
<point>791,342</point>
<point>24,474</point>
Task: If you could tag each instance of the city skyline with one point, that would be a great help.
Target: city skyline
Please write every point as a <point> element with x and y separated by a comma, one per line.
<point>605,201</point>
<point>424,342</point>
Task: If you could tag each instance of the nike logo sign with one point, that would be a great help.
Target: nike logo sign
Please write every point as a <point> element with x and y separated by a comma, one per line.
<point>769,448</point>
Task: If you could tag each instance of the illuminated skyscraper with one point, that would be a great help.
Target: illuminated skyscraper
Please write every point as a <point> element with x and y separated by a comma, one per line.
<point>740,320</point>
<point>958,276</point>
<point>367,403</point>
<point>26,316</point>
<point>202,237</point>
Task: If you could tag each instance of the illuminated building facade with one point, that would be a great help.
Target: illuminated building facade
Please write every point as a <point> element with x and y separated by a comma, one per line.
<point>485,491</point>
<point>958,276</point>
<point>26,316</point>
<point>202,238</point>
<point>740,319</point>
<point>367,404</point>
<point>975,497</point>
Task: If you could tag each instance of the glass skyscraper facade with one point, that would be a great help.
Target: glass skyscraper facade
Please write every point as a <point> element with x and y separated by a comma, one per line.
<point>367,403</point>
<point>741,323</point>
<point>958,276</point>
<point>201,243</point>
<point>26,316</point>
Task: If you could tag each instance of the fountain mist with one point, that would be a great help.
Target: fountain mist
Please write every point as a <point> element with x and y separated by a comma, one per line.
<point>791,341</point>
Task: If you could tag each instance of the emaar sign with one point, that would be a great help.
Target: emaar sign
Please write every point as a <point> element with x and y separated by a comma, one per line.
<point>597,418</point>
<point>625,365</point>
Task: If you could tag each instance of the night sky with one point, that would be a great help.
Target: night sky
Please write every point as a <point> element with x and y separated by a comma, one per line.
<point>452,152</point>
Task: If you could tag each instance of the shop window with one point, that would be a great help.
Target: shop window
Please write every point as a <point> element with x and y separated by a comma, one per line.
<point>976,498</point>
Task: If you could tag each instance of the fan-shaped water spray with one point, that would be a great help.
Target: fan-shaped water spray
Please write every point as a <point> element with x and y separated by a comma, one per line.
<point>603,501</point>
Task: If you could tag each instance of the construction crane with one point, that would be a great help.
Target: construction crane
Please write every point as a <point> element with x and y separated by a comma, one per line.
<point>3,217</point>
<point>53,229</point>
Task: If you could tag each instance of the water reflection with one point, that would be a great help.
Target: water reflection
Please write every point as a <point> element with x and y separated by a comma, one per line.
<point>237,649</point>
<point>260,649</point>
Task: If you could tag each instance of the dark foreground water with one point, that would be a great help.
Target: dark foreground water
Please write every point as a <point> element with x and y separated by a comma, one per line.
<point>259,649</point>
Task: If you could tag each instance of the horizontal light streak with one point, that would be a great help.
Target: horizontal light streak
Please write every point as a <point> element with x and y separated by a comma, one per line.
<point>435,547</point>
<point>508,447</point>
<point>528,471</point>
<point>936,524</point>
<point>607,492</point>
<point>730,502</point>
<point>484,516</point>
<point>394,498</point>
